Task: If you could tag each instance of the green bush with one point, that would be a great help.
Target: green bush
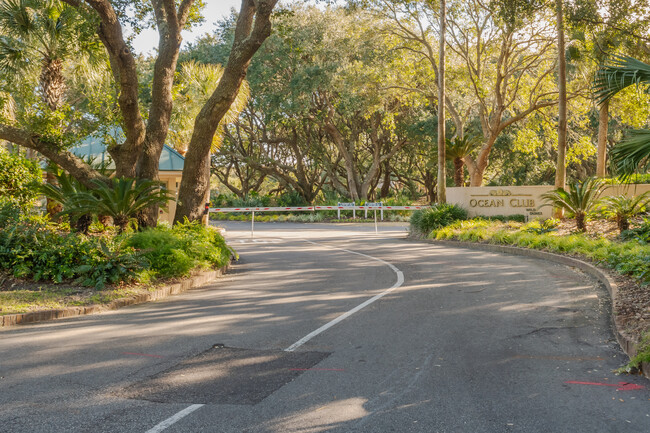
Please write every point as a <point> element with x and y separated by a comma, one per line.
<point>640,233</point>
<point>31,249</point>
<point>9,212</point>
<point>437,216</point>
<point>18,179</point>
<point>291,198</point>
<point>174,252</point>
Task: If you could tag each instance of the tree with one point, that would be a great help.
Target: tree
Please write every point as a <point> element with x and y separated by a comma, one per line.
<point>321,108</point>
<point>607,27</point>
<point>442,175</point>
<point>252,28</point>
<point>517,85</point>
<point>560,174</point>
<point>138,155</point>
<point>457,149</point>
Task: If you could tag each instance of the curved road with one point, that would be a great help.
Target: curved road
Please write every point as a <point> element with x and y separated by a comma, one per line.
<point>334,328</point>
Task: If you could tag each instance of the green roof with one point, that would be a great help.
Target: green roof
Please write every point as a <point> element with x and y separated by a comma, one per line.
<point>95,148</point>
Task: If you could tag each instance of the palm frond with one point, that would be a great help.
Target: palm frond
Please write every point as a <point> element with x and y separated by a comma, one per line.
<point>620,72</point>
<point>632,154</point>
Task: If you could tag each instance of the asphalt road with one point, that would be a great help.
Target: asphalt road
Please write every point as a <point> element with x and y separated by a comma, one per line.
<point>448,340</point>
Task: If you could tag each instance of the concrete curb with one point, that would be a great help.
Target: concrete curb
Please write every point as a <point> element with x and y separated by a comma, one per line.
<point>163,292</point>
<point>627,343</point>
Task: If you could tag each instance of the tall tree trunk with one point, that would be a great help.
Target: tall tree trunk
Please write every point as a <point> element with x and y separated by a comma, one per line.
<point>603,120</point>
<point>442,175</point>
<point>252,28</point>
<point>560,173</point>
<point>385,187</point>
<point>458,172</point>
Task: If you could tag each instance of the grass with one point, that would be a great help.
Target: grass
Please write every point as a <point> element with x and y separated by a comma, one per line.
<point>52,297</point>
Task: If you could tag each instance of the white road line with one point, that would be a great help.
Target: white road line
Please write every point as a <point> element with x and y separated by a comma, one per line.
<point>175,418</point>
<point>400,280</point>
<point>325,327</point>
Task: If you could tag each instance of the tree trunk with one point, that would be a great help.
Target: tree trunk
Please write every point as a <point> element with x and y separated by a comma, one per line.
<point>442,174</point>
<point>560,169</point>
<point>603,120</point>
<point>580,222</point>
<point>252,28</point>
<point>560,174</point>
<point>385,187</point>
<point>458,172</point>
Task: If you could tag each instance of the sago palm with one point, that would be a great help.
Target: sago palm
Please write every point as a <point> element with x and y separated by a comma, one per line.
<point>580,200</point>
<point>620,73</point>
<point>65,191</point>
<point>122,199</point>
<point>622,208</point>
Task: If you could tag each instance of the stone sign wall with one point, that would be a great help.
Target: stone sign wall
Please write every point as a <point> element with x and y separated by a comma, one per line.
<point>517,200</point>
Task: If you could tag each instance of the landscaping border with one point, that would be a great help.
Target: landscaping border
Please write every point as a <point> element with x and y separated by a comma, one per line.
<point>163,292</point>
<point>629,346</point>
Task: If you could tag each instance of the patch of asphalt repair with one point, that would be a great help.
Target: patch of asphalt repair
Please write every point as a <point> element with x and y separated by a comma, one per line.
<point>225,375</point>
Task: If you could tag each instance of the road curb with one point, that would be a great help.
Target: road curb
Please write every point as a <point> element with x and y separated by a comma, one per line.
<point>627,343</point>
<point>200,279</point>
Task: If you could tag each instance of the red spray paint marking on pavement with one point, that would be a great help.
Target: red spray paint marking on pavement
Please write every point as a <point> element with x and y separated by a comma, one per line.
<point>621,386</point>
<point>142,354</point>
<point>317,369</point>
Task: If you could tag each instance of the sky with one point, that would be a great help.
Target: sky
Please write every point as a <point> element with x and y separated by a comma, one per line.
<point>147,41</point>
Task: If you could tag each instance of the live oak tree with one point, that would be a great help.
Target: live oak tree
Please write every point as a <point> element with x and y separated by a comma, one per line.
<point>320,110</point>
<point>145,133</point>
<point>252,28</point>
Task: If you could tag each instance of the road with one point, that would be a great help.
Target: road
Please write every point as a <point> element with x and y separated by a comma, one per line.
<point>435,339</point>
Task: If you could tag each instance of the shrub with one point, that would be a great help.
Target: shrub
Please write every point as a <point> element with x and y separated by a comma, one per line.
<point>437,216</point>
<point>174,252</point>
<point>291,198</point>
<point>640,233</point>
<point>122,200</point>
<point>18,178</point>
<point>31,249</point>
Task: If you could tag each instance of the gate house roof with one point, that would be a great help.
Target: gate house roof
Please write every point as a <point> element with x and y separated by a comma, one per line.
<point>95,148</point>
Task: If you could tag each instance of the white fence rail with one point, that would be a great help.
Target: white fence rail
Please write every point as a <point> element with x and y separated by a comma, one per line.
<point>310,208</point>
<point>373,207</point>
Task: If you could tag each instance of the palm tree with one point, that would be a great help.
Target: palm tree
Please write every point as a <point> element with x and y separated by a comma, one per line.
<point>195,85</point>
<point>620,73</point>
<point>122,200</point>
<point>622,208</point>
<point>581,199</point>
<point>45,29</point>
<point>457,149</point>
